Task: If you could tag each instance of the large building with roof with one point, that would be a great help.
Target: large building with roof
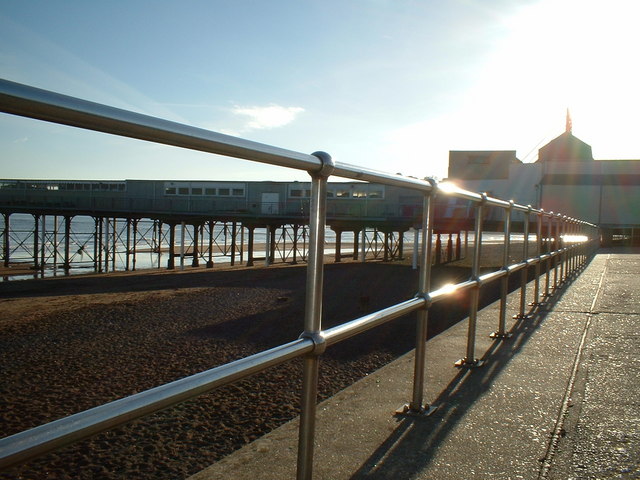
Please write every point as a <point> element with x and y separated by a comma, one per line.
<point>565,178</point>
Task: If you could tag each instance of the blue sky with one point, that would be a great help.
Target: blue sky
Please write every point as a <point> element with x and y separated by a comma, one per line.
<point>388,84</point>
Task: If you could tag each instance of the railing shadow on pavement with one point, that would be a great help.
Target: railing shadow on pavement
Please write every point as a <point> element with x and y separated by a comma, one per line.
<point>412,445</point>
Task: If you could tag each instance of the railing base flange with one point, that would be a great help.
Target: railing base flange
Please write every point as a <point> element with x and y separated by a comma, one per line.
<point>500,335</point>
<point>466,363</point>
<point>424,411</point>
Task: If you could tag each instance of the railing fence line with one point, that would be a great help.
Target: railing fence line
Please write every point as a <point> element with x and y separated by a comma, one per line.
<point>565,250</point>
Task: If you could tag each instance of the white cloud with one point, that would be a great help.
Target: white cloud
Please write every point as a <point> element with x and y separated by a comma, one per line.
<point>271,116</point>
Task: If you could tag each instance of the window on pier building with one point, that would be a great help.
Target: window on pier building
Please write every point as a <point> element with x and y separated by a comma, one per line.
<point>204,188</point>
<point>299,193</point>
<point>360,191</point>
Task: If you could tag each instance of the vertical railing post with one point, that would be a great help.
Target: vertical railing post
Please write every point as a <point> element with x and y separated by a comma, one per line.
<point>424,287</point>
<point>570,252</point>
<point>582,231</point>
<point>474,295</point>
<point>536,288</point>
<point>549,232</point>
<point>578,255</point>
<point>563,249</point>
<point>313,316</point>
<point>504,282</point>
<point>571,244</point>
<point>525,271</point>
<point>556,249</point>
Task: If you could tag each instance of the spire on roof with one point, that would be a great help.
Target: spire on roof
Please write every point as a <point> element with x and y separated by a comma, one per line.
<point>569,124</point>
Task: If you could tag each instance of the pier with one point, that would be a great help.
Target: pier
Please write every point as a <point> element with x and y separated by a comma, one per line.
<point>107,226</point>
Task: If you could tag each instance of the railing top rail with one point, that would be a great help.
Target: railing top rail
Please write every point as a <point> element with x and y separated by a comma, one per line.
<point>27,101</point>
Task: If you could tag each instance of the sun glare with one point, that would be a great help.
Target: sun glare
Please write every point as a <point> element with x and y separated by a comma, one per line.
<point>576,54</point>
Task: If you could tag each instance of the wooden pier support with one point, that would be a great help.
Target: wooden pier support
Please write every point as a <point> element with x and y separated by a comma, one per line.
<point>438,253</point>
<point>114,236</point>
<point>171,263</point>
<point>233,243</point>
<point>135,241</point>
<point>195,261</point>
<point>127,245</point>
<point>356,244</point>
<point>338,255</point>
<point>272,243</point>
<point>36,233</point>
<point>294,260</point>
<point>250,233</point>
<point>105,243</point>
<point>5,241</point>
<point>67,239</point>
<point>387,247</point>
<point>210,224</point>
<point>43,243</point>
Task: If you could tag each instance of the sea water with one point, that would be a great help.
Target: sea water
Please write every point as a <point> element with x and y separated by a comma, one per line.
<point>152,250</point>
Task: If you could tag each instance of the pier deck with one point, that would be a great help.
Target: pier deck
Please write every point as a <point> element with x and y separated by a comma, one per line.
<point>557,400</point>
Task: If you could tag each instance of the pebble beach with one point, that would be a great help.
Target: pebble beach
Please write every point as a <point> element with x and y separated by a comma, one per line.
<point>73,343</point>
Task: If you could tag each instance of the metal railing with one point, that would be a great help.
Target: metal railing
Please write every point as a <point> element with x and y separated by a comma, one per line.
<point>563,247</point>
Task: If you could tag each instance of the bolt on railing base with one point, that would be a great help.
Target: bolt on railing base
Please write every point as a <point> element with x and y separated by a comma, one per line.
<point>408,411</point>
<point>535,304</point>
<point>500,335</point>
<point>519,316</point>
<point>466,363</point>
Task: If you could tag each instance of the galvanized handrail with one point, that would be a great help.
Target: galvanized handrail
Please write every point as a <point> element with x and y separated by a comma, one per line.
<point>566,253</point>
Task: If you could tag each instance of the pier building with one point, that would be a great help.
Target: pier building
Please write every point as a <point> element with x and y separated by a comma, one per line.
<point>206,221</point>
<point>565,178</point>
